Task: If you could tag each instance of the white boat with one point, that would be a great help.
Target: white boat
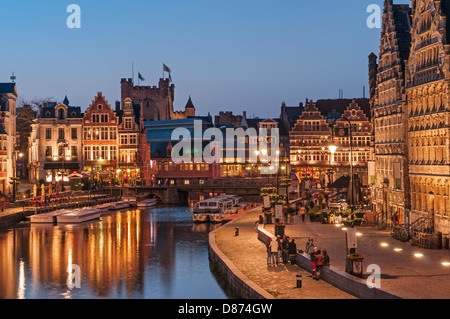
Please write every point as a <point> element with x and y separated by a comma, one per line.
<point>104,207</point>
<point>215,208</point>
<point>79,216</point>
<point>147,202</point>
<point>48,218</point>
<point>119,205</point>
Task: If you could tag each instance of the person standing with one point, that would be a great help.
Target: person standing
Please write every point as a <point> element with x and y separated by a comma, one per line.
<point>279,249</point>
<point>269,251</point>
<point>285,247</point>
<point>292,251</point>
<point>303,213</point>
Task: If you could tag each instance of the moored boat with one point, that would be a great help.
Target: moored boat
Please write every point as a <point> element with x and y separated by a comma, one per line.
<point>79,216</point>
<point>215,208</point>
<point>147,202</point>
<point>48,218</point>
<point>119,205</point>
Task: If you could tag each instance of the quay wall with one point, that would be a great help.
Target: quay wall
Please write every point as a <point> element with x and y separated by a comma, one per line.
<point>239,284</point>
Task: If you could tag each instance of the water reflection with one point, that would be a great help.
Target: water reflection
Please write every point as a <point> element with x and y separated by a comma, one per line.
<point>156,253</point>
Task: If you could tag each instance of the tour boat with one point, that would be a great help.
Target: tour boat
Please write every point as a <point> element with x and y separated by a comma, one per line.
<point>79,216</point>
<point>147,202</point>
<point>215,208</point>
<point>48,218</point>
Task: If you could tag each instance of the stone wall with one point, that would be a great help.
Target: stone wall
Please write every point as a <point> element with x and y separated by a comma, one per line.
<point>240,285</point>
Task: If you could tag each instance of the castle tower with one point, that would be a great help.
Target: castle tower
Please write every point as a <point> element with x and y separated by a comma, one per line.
<point>157,101</point>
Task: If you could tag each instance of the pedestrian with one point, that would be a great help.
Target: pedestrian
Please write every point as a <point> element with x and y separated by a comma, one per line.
<point>292,251</point>
<point>313,260</point>
<point>269,251</point>
<point>285,247</point>
<point>303,213</point>
<point>318,260</point>
<point>279,249</point>
<point>397,218</point>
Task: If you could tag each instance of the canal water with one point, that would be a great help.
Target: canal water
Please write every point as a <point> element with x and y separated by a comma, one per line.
<point>156,253</point>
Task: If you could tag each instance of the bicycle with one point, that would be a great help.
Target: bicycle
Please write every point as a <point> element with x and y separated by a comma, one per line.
<point>309,245</point>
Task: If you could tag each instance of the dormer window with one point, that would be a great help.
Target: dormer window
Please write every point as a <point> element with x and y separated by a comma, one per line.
<point>61,114</point>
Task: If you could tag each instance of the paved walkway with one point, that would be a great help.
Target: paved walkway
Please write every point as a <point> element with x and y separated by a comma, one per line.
<point>249,256</point>
<point>402,273</point>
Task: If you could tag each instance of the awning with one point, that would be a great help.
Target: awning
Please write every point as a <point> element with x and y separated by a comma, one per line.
<point>341,182</point>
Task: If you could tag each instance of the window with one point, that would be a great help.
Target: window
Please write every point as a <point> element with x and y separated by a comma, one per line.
<point>74,134</point>
<point>87,133</point>
<point>87,153</point>
<point>48,151</point>
<point>60,114</point>
<point>99,106</point>
<point>96,134</point>
<point>104,118</point>
<point>113,153</point>
<point>128,123</point>
<point>74,152</point>
<point>95,152</point>
<point>112,133</point>
<point>48,133</point>
<point>61,134</point>
<point>124,139</point>
<point>104,133</point>
<point>133,139</point>
<point>104,153</point>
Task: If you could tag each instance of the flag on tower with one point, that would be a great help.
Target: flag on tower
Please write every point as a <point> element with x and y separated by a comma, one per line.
<point>140,77</point>
<point>168,70</point>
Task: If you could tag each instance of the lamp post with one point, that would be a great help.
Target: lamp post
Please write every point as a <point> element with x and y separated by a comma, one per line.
<point>333,149</point>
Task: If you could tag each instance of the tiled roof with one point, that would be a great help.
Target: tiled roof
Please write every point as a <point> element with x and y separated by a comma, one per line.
<point>326,107</point>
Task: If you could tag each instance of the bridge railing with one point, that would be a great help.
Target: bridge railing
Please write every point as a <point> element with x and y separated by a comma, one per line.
<point>230,183</point>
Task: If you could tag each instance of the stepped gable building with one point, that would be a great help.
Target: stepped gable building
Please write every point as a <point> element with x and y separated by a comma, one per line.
<point>390,116</point>
<point>157,102</point>
<point>8,97</point>
<point>100,139</point>
<point>55,143</point>
<point>309,137</point>
<point>427,90</point>
<point>312,134</point>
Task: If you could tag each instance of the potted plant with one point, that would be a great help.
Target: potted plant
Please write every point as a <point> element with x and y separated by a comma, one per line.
<point>358,221</point>
<point>347,222</point>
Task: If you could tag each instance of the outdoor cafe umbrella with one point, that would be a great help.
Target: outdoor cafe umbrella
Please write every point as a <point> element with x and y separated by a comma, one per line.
<point>34,191</point>
<point>43,192</point>
<point>50,190</point>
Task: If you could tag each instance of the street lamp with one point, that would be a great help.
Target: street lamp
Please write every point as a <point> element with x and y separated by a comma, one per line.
<point>333,148</point>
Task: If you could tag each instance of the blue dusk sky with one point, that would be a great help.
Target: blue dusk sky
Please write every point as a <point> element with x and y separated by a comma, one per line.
<point>229,55</point>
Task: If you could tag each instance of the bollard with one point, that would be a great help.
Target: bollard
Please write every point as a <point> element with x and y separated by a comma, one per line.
<point>236,231</point>
<point>299,281</point>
